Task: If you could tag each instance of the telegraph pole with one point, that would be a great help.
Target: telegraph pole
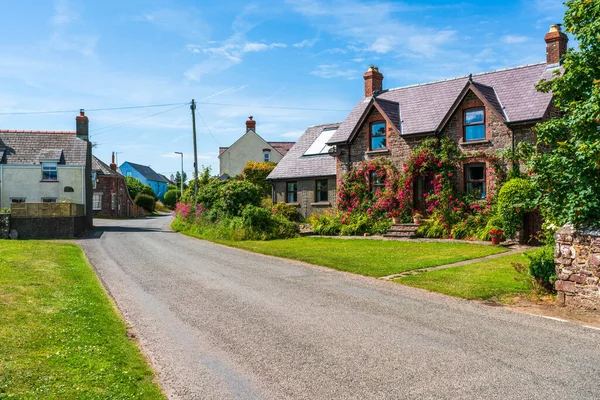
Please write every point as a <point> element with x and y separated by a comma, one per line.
<point>193,108</point>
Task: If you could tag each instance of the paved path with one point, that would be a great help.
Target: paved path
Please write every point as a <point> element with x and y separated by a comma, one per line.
<point>221,323</point>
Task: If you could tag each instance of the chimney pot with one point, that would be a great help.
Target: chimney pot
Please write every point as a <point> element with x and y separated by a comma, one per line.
<point>82,126</point>
<point>556,45</point>
<point>113,166</point>
<point>373,81</point>
<point>250,124</point>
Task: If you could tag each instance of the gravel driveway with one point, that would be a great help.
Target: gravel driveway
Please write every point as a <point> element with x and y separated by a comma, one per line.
<point>221,323</point>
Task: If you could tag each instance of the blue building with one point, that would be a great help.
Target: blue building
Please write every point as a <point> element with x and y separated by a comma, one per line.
<point>147,176</point>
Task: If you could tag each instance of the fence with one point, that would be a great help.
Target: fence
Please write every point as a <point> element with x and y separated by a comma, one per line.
<point>44,210</point>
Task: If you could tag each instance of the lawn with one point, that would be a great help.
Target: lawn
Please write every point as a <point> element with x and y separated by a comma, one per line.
<point>368,257</point>
<point>488,280</point>
<point>61,337</point>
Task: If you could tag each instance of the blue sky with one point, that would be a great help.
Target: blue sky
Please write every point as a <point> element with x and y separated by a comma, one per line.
<point>66,55</point>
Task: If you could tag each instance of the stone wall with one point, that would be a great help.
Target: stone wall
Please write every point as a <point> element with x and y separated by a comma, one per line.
<point>577,260</point>
<point>49,228</point>
<point>4,225</point>
<point>306,204</point>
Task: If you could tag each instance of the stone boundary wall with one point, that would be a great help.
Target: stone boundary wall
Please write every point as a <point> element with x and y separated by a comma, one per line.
<point>49,228</point>
<point>577,262</point>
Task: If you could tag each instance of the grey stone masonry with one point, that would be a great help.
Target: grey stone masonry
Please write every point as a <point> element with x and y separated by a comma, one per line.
<point>577,261</point>
<point>4,225</point>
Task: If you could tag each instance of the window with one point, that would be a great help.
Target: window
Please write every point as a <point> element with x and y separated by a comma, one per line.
<point>319,146</point>
<point>48,199</point>
<point>291,192</point>
<point>49,172</point>
<point>97,201</point>
<point>378,138</point>
<point>266,155</point>
<point>321,192</point>
<point>377,182</point>
<point>17,199</point>
<point>474,124</point>
<point>475,179</point>
<point>113,201</point>
<point>94,180</point>
<point>128,173</point>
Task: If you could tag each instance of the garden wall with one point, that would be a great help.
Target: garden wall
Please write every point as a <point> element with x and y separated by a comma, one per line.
<point>49,228</point>
<point>577,261</point>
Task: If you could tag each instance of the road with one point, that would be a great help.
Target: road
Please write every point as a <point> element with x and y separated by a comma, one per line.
<point>221,323</point>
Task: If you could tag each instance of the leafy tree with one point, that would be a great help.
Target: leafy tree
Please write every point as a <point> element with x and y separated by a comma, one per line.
<point>178,180</point>
<point>257,172</point>
<point>135,187</point>
<point>568,175</point>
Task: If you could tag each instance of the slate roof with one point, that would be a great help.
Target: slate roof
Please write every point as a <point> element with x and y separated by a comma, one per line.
<point>147,172</point>
<point>295,165</point>
<point>169,181</point>
<point>104,169</point>
<point>50,154</point>
<point>28,147</point>
<point>423,107</point>
<point>281,147</point>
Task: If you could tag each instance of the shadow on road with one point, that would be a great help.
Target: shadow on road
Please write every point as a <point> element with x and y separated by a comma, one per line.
<point>99,231</point>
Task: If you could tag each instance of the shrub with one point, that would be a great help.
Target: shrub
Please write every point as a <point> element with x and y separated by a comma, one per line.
<point>172,187</point>
<point>328,223</point>
<point>145,201</point>
<point>209,193</point>
<point>256,218</point>
<point>361,223</point>
<point>286,211</point>
<point>234,196</point>
<point>542,267</point>
<point>4,210</point>
<point>256,173</point>
<point>515,198</point>
<point>171,198</point>
<point>135,187</point>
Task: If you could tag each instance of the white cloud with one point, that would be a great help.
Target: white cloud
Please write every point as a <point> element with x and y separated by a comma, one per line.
<point>63,14</point>
<point>254,47</point>
<point>328,71</point>
<point>514,39</point>
<point>187,23</point>
<point>306,43</point>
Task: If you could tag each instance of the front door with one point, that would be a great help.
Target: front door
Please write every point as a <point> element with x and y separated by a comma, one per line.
<point>423,185</point>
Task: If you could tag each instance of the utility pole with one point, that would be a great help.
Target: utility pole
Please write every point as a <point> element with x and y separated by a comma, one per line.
<point>193,108</point>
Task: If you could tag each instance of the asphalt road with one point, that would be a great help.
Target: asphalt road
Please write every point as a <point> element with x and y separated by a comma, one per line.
<point>220,323</point>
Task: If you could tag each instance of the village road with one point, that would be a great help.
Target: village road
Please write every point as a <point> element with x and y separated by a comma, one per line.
<point>221,323</point>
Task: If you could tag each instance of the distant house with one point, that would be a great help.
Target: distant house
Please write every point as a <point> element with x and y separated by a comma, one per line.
<point>481,113</point>
<point>250,147</point>
<point>147,176</point>
<point>110,195</point>
<point>170,181</point>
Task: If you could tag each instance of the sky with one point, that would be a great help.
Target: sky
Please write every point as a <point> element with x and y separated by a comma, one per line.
<point>288,63</point>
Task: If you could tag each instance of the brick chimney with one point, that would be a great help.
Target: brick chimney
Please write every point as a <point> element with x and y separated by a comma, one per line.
<point>373,81</point>
<point>82,126</point>
<point>556,45</point>
<point>250,124</point>
<point>113,166</point>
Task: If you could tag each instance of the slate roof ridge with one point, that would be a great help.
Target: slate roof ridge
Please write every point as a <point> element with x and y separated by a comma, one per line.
<point>459,77</point>
<point>102,166</point>
<point>41,132</point>
<point>320,125</point>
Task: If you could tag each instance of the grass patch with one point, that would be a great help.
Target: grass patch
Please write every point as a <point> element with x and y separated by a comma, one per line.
<point>60,335</point>
<point>487,280</point>
<point>365,257</point>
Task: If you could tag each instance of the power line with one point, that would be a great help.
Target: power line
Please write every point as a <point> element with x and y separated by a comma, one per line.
<point>119,125</point>
<point>274,107</point>
<point>208,129</point>
<point>91,109</point>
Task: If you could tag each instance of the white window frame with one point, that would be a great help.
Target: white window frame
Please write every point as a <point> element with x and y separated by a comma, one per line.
<point>266,156</point>
<point>97,201</point>
<point>94,177</point>
<point>49,167</point>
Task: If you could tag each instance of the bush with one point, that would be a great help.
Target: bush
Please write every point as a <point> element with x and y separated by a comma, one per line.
<point>256,218</point>
<point>256,173</point>
<point>360,223</point>
<point>542,267</point>
<point>135,187</point>
<point>286,211</point>
<point>171,197</point>
<point>515,198</point>
<point>234,196</point>
<point>145,201</point>
<point>328,223</point>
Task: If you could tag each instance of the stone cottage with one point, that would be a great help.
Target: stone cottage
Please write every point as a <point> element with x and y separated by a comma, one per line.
<point>482,113</point>
<point>110,195</point>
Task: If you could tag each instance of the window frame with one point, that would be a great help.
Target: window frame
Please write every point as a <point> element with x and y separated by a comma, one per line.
<point>266,156</point>
<point>100,196</point>
<point>48,199</point>
<point>321,191</point>
<point>465,125</point>
<point>371,136</point>
<point>47,169</point>
<point>18,200</point>
<point>374,182</point>
<point>467,168</point>
<point>293,192</point>
<point>94,177</point>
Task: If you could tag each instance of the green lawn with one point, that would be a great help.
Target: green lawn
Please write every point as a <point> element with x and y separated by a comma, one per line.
<point>492,279</point>
<point>60,335</point>
<point>368,257</point>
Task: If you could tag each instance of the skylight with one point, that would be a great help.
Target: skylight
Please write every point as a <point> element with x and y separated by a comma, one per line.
<point>319,146</point>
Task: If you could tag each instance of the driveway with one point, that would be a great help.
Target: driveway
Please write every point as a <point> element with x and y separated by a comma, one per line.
<point>221,323</point>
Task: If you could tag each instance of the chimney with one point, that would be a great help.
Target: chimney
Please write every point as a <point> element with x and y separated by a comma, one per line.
<point>113,166</point>
<point>373,81</point>
<point>556,45</point>
<point>82,126</point>
<point>250,124</point>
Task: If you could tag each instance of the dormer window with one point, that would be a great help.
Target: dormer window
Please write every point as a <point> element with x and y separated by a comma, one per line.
<point>49,171</point>
<point>377,137</point>
<point>474,124</point>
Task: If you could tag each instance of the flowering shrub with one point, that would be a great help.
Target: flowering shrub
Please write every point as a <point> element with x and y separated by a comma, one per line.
<point>496,232</point>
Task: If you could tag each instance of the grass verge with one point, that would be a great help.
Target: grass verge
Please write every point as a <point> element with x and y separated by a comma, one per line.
<point>488,280</point>
<point>61,337</point>
<point>365,257</point>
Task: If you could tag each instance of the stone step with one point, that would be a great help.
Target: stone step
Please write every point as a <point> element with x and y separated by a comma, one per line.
<point>402,231</point>
<point>399,235</point>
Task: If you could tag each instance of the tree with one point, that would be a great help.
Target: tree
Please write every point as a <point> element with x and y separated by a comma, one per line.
<point>178,180</point>
<point>257,172</point>
<point>568,175</point>
<point>136,187</point>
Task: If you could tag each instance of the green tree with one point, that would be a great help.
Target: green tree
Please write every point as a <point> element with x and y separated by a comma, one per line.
<point>136,187</point>
<point>178,180</point>
<point>568,175</point>
<point>257,172</point>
